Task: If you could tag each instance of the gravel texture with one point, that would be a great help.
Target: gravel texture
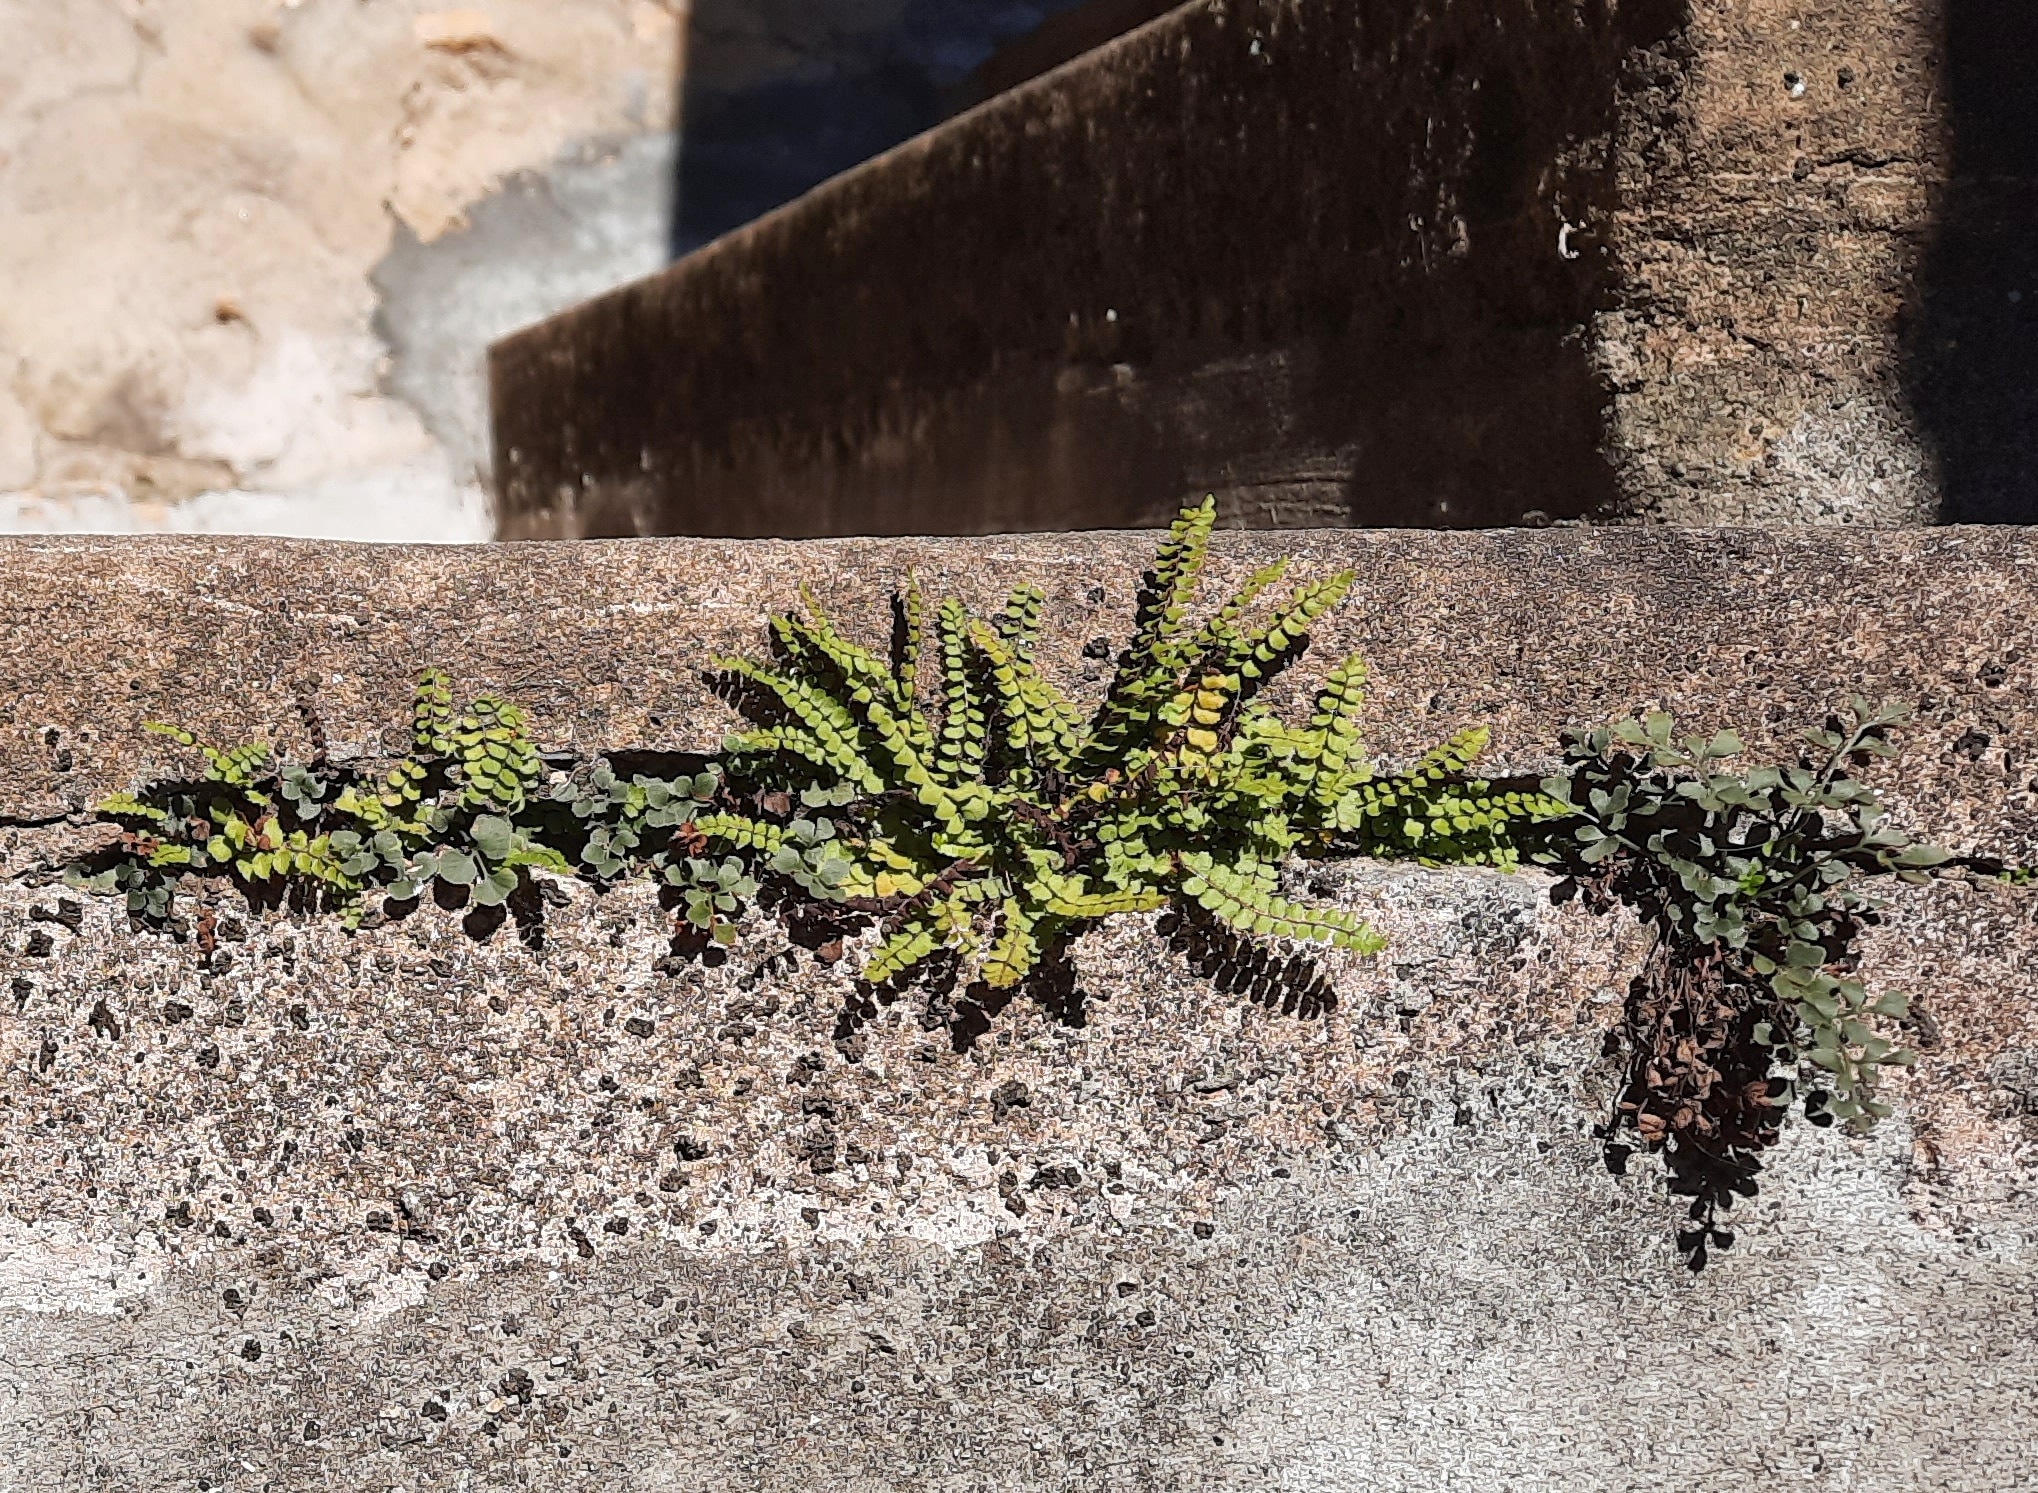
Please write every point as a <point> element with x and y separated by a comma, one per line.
<point>432,1207</point>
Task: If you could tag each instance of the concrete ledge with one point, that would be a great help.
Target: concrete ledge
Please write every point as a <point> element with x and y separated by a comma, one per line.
<point>403,1209</point>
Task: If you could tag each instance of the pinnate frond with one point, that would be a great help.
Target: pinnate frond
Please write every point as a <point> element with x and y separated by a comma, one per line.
<point>1245,900</point>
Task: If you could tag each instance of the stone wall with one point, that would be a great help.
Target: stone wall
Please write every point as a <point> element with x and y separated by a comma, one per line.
<point>427,1207</point>
<point>1775,203</point>
<point>1398,262</point>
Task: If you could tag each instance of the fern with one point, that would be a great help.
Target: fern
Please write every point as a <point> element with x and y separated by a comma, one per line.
<point>997,819</point>
<point>1752,884</point>
<point>986,817</point>
<point>457,811</point>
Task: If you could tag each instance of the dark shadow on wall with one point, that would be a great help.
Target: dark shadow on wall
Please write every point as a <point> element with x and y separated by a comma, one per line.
<point>1340,275</point>
<point>1972,360</point>
<point>1472,398</point>
<point>780,95</point>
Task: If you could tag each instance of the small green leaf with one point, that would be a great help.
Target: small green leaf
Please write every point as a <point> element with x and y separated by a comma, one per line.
<point>495,888</point>
<point>493,836</point>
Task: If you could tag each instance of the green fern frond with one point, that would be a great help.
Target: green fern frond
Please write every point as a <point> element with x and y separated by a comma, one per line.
<point>766,741</point>
<point>908,625</point>
<point>1017,948</point>
<point>497,760</point>
<point>1019,626</point>
<point>1164,597</point>
<point>832,729</point>
<point>1039,723</point>
<point>1244,900</point>
<point>1258,655</point>
<point>963,741</point>
<point>1334,736</point>
<point>1172,583</point>
<point>127,806</point>
<point>431,714</point>
<point>741,833</point>
<point>1452,757</point>
<point>1220,634</point>
<point>915,943</point>
<point>235,767</point>
<point>1148,671</point>
<point>1069,897</point>
<point>867,677</point>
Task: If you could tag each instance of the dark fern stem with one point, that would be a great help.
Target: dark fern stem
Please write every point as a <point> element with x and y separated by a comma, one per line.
<point>314,724</point>
<point>1698,1089</point>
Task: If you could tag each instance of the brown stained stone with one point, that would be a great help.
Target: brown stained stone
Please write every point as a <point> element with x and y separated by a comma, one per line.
<point>1356,262</point>
<point>357,1176</point>
<point>1302,254</point>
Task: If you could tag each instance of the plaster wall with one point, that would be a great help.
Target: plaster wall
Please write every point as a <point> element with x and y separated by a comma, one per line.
<point>252,250</point>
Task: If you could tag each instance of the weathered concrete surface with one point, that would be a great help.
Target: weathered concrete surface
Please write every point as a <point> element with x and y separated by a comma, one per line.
<point>1394,262</point>
<point>439,1235</point>
<point>1777,197</point>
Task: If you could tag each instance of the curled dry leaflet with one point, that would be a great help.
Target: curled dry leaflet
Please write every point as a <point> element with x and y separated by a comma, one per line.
<point>940,805</point>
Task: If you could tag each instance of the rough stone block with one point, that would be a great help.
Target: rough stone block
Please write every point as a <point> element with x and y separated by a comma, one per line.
<point>1388,262</point>
<point>415,1208</point>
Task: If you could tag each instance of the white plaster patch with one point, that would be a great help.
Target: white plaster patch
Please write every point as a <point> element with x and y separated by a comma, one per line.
<point>1858,462</point>
<point>49,1268</point>
<point>364,1295</point>
<point>386,1296</point>
<point>417,502</point>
